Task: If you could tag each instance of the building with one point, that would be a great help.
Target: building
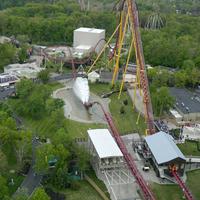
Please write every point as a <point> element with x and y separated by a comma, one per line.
<point>7,79</point>
<point>110,166</point>
<point>187,103</point>
<point>176,116</point>
<point>26,70</point>
<point>93,77</point>
<point>104,150</point>
<point>89,39</point>
<point>130,78</point>
<point>163,154</point>
<point>84,49</point>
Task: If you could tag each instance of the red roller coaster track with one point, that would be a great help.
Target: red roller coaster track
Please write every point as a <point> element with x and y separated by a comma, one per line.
<point>184,188</point>
<point>148,195</point>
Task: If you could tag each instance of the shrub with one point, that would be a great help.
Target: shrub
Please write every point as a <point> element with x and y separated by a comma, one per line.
<point>122,110</point>
<point>125,102</point>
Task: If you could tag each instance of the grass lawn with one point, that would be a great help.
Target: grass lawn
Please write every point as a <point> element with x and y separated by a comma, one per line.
<point>193,183</point>
<point>167,192</point>
<point>75,129</point>
<point>126,123</point>
<point>189,148</point>
<point>85,192</point>
<point>173,192</point>
<point>99,183</point>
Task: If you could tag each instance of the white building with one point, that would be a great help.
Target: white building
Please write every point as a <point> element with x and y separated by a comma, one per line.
<point>93,39</point>
<point>26,70</point>
<point>109,165</point>
<point>93,77</point>
<point>104,150</point>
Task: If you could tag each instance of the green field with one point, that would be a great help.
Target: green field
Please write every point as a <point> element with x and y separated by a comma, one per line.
<point>173,192</point>
<point>167,192</point>
<point>126,123</point>
<point>75,129</point>
<point>193,183</point>
<point>85,192</point>
<point>189,148</point>
<point>99,183</point>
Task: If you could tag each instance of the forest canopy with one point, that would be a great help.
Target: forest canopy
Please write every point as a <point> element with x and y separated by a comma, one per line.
<point>53,23</point>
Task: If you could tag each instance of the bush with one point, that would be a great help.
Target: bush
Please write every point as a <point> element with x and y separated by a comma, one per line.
<point>122,110</point>
<point>125,102</point>
<point>75,185</point>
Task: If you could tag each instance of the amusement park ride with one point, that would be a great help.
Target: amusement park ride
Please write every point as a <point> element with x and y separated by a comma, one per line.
<point>129,22</point>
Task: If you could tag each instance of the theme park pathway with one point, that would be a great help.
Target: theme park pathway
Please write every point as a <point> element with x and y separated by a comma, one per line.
<point>75,110</point>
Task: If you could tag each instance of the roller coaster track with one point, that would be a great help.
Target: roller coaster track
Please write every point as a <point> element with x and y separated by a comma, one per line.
<point>140,61</point>
<point>147,193</point>
<point>182,185</point>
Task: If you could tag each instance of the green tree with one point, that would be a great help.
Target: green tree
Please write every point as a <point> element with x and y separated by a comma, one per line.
<point>42,154</point>
<point>82,159</point>
<point>162,101</point>
<point>23,145</point>
<point>44,76</point>
<point>53,104</point>
<point>188,64</point>
<point>193,77</point>
<point>7,55</point>
<point>3,162</point>
<point>22,54</point>
<point>21,194</point>
<point>60,178</point>
<point>4,193</point>
<point>40,194</point>
<point>8,129</point>
<point>24,88</point>
<point>180,79</point>
<point>62,137</point>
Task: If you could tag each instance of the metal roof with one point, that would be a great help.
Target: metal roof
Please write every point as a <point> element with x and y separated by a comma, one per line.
<point>163,147</point>
<point>104,143</point>
<point>90,30</point>
<point>186,101</point>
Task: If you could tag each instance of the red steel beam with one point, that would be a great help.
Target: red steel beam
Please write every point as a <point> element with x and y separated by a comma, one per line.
<point>140,57</point>
<point>148,195</point>
<point>182,185</point>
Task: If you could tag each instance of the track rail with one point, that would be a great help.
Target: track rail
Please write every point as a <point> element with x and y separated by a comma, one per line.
<point>184,188</point>
<point>140,61</point>
<point>147,193</point>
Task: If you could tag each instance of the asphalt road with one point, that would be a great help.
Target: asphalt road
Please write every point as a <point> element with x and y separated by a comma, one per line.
<point>32,180</point>
<point>105,76</point>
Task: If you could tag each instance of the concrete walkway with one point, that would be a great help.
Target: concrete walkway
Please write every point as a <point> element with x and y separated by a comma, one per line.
<point>75,110</point>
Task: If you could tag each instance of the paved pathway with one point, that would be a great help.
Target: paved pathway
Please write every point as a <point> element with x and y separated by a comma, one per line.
<point>32,180</point>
